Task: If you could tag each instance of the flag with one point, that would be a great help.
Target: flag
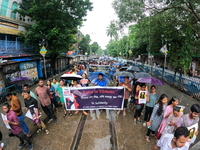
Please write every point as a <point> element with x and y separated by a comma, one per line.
<point>164,49</point>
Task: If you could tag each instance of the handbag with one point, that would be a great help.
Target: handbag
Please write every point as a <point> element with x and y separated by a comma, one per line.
<point>137,107</point>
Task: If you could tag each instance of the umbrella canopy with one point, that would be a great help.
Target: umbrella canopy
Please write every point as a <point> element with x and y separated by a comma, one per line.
<point>150,80</point>
<point>22,81</point>
<point>123,74</point>
<point>94,76</point>
<point>104,71</point>
<point>133,68</point>
<point>118,64</point>
<point>141,75</point>
<point>71,77</point>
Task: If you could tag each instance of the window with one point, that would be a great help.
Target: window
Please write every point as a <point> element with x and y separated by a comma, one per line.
<point>14,6</point>
<point>4,7</point>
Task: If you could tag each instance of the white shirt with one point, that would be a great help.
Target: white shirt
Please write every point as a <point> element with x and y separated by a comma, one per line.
<point>165,143</point>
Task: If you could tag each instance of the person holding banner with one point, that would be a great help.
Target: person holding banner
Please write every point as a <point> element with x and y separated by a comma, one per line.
<point>189,120</point>
<point>178,141</point>
<point>168,111</point>
<point>16,129</point>
<point>140,94</point>
<point>59,93</point>
<point>84,81</point>
<point>156,116</point>
<point>126,84</point>
<point>32,105</point>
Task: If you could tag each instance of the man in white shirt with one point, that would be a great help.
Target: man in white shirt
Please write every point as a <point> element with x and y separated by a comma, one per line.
<point>174,142</point>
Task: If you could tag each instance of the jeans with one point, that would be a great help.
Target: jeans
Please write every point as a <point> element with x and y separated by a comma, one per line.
<point>49,111</point>
<point>148,112</point>
<point>23,124</point>
<point>23,137</point>
<point>111,77</point>
<point>138,112</point>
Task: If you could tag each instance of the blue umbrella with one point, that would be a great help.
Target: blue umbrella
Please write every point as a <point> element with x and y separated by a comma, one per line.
<point>118,64</point>
<point>94,76</point>
<point>80,72</point>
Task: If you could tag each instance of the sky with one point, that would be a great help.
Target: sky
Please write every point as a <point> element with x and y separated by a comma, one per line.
<point>98,20</point>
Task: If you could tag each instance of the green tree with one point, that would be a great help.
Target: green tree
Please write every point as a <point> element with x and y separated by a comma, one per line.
<point>94,47</point>
<point>84,45</point>
<point>56,21</point>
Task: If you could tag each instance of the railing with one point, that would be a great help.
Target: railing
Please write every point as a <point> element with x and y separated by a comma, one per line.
<point>185,83</point>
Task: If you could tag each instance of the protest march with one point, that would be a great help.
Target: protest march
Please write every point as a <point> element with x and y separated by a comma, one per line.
<point>105,85</point>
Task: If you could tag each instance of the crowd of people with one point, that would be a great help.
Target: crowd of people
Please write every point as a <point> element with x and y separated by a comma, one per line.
<point>163,118</point>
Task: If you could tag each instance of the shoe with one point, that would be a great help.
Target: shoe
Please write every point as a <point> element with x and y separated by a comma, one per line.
<point>144,124</point>
<point>2,145</point>
<point>139,121</point>
<point>49,120</point>
<point>134,122</point>
<point>20,145</point>
<point>56,121</point>
<point>70,114</point>
<point>64,115</point>
<point>39,130</point>
<point>31,147</point>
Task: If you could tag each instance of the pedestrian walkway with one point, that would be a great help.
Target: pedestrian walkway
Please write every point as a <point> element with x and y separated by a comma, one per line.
<point>11,143</point>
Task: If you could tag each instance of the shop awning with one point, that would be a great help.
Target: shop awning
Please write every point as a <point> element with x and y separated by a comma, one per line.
<point>5,30</point>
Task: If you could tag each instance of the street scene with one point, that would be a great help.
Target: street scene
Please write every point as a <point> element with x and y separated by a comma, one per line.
<point>99,75</point>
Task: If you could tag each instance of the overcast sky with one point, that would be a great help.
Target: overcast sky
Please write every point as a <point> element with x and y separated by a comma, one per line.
<point>97,21</point>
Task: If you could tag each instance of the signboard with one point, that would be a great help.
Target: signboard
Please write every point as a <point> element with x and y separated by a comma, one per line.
<point>142,97</point>
<point>43,51</point>
<point>90,98</point>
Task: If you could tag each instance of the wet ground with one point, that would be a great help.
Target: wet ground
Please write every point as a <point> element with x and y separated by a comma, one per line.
<point>97,131</point>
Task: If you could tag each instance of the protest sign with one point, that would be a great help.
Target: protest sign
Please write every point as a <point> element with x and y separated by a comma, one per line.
<point>31,113</point>
<point>193,129</point>
<point>90,98</point>
<point>142,97</point>
<point>4,117</point>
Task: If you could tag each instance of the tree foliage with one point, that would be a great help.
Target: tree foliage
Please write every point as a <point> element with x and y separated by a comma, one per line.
<point>171,22</point>
<point>56,21</point>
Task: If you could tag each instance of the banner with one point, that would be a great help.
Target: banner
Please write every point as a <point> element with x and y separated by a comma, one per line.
<point>193,130</point>
<point>90,98</point>
<point>164,49</point>
<point>99,67</point>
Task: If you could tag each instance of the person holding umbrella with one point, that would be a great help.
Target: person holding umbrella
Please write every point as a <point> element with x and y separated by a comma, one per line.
<point>126,84</point>
<point>100,81</point>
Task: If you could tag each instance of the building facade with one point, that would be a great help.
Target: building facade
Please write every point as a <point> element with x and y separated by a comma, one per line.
<point>11,24</point>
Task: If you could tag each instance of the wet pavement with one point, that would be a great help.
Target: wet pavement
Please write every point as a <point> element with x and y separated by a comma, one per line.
<point>96,131</point>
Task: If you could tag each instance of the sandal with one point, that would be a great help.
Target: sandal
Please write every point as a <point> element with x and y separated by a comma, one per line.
<point>39,130</point>
<point>147,139</point>
<point>70,114</point>
<point>118,112</point>
<point>124,114</point>
<point>64,115</point>
<point>47,131</point>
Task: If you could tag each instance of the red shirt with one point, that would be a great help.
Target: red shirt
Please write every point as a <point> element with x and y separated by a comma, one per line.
<point>44,95</point>
<point>11,116</point>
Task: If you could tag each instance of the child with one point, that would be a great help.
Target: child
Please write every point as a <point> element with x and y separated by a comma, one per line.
<point>171,122</point>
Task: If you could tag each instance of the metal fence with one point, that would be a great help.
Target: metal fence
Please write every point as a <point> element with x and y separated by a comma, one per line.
<point>185,83</point>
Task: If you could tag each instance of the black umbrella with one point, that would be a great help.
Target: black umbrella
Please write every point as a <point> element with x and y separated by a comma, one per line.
<point>141,75</point>
<point>133,68</point>
<point>123,74</point>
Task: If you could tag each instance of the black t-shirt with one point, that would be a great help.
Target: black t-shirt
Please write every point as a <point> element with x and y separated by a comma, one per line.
<point>31,101</point>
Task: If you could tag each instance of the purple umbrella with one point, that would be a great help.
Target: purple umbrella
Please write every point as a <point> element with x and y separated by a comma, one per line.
<point>150,80</point>
<point>22,81</point>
